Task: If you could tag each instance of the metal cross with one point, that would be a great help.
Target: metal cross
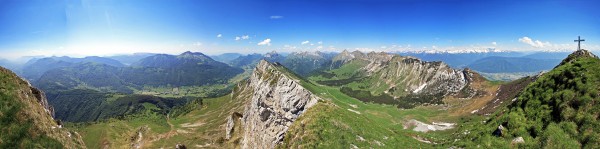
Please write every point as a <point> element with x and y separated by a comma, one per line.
<point>579,40</point>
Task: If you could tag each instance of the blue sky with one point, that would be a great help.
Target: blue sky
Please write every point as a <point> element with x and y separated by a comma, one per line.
<point>87,27</point>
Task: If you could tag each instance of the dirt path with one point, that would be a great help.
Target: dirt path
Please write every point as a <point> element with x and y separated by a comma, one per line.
<point>172,132</point>
<point>170,125</point>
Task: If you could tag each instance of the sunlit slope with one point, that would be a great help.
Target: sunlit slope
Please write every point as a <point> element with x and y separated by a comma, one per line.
<point>26,118</point>
<point>559,110</point>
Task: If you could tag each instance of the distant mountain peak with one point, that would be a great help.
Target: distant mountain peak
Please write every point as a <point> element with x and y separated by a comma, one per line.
<point>458,51</point>
<point>309,53</point>
<point>192,53</point>
<point>195,55</point>
<point>272,54</point>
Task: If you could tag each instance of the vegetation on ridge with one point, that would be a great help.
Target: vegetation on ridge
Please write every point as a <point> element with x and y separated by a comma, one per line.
<point>559,110</point>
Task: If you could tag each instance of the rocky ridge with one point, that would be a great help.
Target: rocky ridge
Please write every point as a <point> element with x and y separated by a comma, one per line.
<point>402,75</point>
<point>277,100</point>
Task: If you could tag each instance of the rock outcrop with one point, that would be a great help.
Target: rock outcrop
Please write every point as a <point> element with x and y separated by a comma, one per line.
<point>231,123</point>
<point>277,100</point>
<point>41,98</point>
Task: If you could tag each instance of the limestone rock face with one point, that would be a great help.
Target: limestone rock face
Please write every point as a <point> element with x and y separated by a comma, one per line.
<point>277,101</point>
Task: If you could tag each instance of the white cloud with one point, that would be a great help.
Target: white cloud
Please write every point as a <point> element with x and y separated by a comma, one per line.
<point>197,44</point>
<point>320,47</point>
<point>320,42</point>
<point>219,35</point>
<point>287,46</point>
<point>494,43</point>
<point>305,42</point>
<point>536,43</point>
<point>244,37</point>
<point>276,17</point>
<point>266,42</point>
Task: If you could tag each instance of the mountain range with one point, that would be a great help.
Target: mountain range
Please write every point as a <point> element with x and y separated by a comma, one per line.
<point>348,100</point>
<point>512,64</point>
<point>185,69</point>
<point>35,68</point>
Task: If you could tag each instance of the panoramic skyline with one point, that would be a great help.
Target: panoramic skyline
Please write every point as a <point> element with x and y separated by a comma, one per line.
<point>82,28</point>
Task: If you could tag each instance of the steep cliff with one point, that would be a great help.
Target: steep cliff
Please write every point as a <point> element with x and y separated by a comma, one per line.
<point>276,100</point>
<point>26,118</point>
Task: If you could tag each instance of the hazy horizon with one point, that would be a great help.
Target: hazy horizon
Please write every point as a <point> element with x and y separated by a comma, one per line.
<point>103,28</point>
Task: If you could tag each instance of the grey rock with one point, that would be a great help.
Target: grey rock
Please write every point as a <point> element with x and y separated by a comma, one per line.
<point>230,126</point>
<point>518,140</point>
<point>277,100</point>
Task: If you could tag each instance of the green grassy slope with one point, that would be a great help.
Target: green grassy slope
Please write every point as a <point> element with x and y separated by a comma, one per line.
<point>342,121</point>
<point>559,110</point>
<point>24,122</point>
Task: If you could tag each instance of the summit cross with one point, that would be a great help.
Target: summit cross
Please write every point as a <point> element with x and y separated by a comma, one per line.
<point>579,40</point>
